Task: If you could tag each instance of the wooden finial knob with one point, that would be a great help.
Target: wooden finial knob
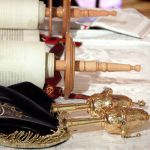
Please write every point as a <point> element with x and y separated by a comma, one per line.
<point>136,68</point>
<point>113,13</point>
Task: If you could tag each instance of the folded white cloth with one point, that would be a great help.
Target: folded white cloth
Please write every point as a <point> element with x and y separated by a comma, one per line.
<point>128,22</point>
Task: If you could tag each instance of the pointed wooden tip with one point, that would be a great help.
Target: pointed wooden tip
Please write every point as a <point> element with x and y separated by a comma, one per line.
<point>137,68</point>
<point>113,13</point>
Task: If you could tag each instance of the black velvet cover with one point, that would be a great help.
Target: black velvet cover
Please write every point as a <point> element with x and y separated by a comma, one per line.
<point>33,107</point>
<point>33,92</point>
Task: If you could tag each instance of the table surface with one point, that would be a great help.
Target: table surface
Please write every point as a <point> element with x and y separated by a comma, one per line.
<point>110,47</point>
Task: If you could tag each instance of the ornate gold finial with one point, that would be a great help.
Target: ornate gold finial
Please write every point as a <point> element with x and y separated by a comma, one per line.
<point>123,120</point>
<point>115,121</point>
<point>97,102</point>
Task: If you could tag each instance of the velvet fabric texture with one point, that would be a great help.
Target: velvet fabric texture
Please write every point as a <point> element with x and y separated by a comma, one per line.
<point>34,93</point>
<point>25,107</point>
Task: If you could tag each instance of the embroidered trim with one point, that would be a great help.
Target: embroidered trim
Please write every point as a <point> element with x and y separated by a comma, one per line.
<point>22,139</point>
<point>8,110</point>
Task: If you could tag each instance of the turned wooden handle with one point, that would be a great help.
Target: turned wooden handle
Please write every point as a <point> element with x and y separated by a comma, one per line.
<point>93,66</point>
<point>50,16</point>
<point>79,12</point>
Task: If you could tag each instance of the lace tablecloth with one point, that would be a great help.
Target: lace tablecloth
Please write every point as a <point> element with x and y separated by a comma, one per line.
<point>111,47</point>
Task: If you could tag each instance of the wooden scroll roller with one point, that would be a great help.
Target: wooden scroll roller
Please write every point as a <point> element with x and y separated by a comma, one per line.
<point>117,120</point>
<point>22,67</point>
<point>70,65</point>
<point>97,102</point>
<point>66,12</point>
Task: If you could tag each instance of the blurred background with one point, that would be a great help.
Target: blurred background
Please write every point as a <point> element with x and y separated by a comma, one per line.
<point>142,5</point>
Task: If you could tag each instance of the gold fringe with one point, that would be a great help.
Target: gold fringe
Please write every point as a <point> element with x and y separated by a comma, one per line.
<point>22,139</point>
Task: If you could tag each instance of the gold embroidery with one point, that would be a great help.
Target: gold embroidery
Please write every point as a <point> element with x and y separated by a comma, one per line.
<point>49,90</point>
<point>8,110</point>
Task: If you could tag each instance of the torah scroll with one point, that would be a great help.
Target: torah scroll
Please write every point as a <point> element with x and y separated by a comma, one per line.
<point>21,14</point>
<point>24,61</point>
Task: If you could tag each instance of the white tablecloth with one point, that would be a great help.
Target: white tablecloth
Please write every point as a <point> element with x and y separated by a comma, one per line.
<point>98,45</point>
<point>111,47</point>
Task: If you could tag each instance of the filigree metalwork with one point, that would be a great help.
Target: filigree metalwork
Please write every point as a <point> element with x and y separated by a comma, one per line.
<point>97,102</point>
<point>123,120</point>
